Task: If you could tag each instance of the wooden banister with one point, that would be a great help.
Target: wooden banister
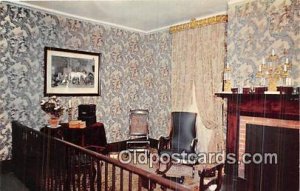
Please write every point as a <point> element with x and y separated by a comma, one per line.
<point>59,161</point>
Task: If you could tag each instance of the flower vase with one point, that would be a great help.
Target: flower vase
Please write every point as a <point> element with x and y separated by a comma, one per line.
<point>54,122</point>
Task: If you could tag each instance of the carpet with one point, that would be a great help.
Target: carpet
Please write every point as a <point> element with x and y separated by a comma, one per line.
<point>176,171</point>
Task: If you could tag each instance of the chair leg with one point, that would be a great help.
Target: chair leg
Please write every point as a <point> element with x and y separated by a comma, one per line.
<point>168,166</point>
<point>158,167</point>
<point>193,171</point>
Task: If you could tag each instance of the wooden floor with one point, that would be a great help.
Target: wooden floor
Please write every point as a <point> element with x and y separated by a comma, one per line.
<point>9,182</point>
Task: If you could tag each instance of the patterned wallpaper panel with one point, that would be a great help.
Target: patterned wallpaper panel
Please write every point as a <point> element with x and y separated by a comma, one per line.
<point>134,71</point>
<point>254,29</point>
<point>135,68</point>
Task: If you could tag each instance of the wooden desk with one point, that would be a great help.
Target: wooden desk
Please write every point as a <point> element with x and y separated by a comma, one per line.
<point>91,135</point>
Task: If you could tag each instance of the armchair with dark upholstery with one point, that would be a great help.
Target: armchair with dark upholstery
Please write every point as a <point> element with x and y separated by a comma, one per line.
<point>181,142</point>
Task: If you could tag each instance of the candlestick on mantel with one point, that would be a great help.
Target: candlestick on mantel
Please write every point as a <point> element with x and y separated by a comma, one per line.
<point>227,82</point>
<point>273,52</point>
<point>274,72</point>
<point>263,81</point>
<point>288,81</point>
<point>70,111</point>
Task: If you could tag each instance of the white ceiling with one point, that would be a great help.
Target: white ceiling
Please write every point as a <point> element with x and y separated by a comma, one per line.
<point>138,15</point>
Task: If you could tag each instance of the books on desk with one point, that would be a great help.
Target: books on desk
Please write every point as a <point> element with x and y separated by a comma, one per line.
<point>77,124</point>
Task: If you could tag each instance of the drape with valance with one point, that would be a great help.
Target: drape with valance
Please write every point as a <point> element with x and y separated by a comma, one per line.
<point>198,57</point>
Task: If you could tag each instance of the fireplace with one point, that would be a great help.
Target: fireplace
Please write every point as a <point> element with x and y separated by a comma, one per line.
<point>260,121</point>
<point>262,110</point>
<point>276,165</point>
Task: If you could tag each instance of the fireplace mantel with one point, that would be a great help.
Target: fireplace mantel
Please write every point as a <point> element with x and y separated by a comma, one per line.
<point>279,106</point>
<point>270,106</point>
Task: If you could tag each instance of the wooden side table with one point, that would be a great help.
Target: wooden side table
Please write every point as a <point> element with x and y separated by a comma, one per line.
<point>91,135</point>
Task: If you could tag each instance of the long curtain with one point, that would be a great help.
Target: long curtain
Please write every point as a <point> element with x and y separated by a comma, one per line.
<point>198,57</point>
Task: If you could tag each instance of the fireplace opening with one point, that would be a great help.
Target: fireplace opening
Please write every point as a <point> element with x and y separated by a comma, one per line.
<point>282,141</point>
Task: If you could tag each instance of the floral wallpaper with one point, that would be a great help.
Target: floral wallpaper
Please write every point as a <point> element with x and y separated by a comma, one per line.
<point>257,27</point>
<point>134,71</point>
<point>135,68</point>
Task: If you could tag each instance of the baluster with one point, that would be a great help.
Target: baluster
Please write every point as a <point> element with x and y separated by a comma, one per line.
<point>130,181</point>
<point>83,164</point>
<point>51,165</point>
<point>60,166</point>
<point>140,182</point>
<point>73,168</point>
<point>121,179</point>
<point>113,176</point>
<point>78,155</point>
<point>151,185</point>
<point>106,176</point>
<point>54,167</point>
<point>99,174</point>
<point>92,174</point>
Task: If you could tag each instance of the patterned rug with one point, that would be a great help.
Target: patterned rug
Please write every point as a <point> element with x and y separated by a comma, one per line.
<point>176,171</point>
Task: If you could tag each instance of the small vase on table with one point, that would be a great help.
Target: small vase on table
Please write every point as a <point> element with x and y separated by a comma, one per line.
<point>54,121</point>
<point>54,109</point>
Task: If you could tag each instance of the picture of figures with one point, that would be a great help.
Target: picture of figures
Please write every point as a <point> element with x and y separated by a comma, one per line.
<point>71,72</point>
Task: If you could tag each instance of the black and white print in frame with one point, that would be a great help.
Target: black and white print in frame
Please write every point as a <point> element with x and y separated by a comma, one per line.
<point>71,72</point>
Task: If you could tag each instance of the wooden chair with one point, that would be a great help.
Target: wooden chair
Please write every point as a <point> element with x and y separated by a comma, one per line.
<point>211,178</point>
<point>138,130</point>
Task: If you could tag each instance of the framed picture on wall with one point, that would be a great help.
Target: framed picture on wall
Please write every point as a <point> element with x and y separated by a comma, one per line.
<point>71,72</point>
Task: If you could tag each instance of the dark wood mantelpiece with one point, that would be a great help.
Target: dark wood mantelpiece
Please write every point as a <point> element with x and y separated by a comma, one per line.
<point>277,106</point>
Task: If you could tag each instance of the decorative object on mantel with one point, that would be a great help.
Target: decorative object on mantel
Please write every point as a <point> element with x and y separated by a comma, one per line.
<point>297,90</point>
<point>54,109</point>
<point>235,90</point>
<point>248,90</point>
<point>285,90</point>
<point>272,71</point>
<point>260,90</point>
<point>227,79</point>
